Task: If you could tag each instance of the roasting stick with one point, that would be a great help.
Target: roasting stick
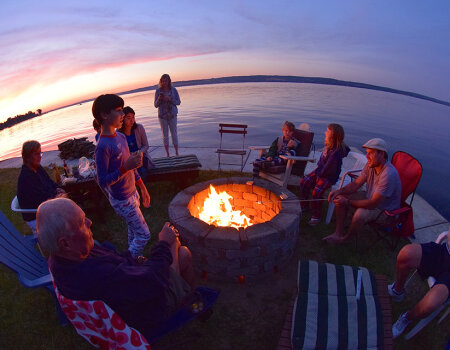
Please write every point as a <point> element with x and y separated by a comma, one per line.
<point>295,200</point>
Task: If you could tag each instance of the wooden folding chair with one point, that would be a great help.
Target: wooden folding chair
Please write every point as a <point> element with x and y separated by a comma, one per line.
<point>237,129</point>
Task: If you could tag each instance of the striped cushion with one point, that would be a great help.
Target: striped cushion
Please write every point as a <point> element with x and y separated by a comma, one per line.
<point>327,314</point>
<point>176,163</point>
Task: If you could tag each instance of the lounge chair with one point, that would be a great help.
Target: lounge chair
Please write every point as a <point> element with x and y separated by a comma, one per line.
<point>338,307</point>
<point>179,169</point>
<point>293,171</point>
<point>17,253</point>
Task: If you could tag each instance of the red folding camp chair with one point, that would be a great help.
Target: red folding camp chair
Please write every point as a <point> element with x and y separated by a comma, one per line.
<point>400,222</point>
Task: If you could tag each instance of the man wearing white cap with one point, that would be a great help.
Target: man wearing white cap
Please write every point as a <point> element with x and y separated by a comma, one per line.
<point>383,192</point>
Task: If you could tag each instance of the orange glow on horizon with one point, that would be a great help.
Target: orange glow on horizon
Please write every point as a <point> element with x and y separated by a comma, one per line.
<point>116,78</point>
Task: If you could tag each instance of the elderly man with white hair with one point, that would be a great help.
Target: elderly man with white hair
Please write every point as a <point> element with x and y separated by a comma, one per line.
<point>383,192</point>
<point>143,294</point>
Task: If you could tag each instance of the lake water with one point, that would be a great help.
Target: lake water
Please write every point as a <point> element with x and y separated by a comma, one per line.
<point>419,127</point>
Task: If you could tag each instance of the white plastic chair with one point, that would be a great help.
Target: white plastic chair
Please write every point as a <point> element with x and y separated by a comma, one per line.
<point>16,207</point>
<point>358,160</point>
<point>422,323</point>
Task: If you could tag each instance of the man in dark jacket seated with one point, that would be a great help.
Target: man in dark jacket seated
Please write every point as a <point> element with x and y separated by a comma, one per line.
<point>34,186</point>
<point>143,293</point>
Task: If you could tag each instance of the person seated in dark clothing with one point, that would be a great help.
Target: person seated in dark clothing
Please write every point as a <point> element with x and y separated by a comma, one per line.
<point>34,186</point>
<point>144,293</point>
<point>429,259</point>
<point>285,145</point>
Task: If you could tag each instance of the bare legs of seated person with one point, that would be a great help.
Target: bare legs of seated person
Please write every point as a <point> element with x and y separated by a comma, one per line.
<point>409,259</point>
<point>340,236</point>
<point>181,255</point>
<point>360,217</point>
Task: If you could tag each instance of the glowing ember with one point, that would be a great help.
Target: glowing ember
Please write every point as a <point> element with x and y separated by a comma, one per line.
<point>217,210</point>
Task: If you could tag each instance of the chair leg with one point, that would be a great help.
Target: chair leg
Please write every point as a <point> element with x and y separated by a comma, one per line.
<point>330,212</point>
<point>445,313</point>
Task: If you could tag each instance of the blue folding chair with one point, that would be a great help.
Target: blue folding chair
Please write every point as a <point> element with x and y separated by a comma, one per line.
<point>17,252</point>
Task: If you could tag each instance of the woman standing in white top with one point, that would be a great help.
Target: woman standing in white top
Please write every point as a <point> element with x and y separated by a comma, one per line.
<point>166,100</point>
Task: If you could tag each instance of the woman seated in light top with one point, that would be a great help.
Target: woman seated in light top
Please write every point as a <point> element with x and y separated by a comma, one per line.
<point>136,138</point>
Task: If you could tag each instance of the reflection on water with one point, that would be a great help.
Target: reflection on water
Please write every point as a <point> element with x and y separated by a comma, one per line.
<point>415,126</point>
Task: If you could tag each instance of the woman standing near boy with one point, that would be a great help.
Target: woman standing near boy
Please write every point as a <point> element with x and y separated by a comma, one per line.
<point>326,173</point>
<point>136,138</point>
<point>117,174</point>
<point>167,100</point>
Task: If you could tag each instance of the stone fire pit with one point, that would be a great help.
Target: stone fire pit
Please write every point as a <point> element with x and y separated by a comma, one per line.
<point>232,254</point>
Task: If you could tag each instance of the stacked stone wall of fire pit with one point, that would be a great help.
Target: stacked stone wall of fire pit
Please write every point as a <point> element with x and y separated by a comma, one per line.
<point>228,253</point>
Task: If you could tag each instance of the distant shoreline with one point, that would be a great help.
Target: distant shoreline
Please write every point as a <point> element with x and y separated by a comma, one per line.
<point>289,79</point>
<point>273,79</point>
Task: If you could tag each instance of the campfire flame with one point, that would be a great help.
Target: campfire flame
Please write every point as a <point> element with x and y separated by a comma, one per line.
<point>217,210</point>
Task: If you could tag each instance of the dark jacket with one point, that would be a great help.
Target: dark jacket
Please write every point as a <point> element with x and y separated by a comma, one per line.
<point>33,188</point>
<point>329,165</point>
<point>136,292</point>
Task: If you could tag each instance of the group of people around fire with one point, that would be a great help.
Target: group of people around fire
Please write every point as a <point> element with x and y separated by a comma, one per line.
<point>145,291</point>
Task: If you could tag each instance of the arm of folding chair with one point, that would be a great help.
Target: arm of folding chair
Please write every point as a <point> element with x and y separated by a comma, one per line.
<point>16,207</point>
<point>38,282</point>
<point>442,237</point>
<point>422,323</point>
<point>352,175</point>
<point>298,158</point>
<point>396,212</point>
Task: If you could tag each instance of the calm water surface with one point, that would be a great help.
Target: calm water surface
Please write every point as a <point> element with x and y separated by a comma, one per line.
<point>412,125</point>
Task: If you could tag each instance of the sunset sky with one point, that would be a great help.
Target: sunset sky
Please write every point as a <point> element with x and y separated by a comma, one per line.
<point>60,52</point>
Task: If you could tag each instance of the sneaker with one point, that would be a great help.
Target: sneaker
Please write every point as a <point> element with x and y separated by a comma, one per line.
<point>313,221</point>
<point>400,326</point>
<point>396,296</point>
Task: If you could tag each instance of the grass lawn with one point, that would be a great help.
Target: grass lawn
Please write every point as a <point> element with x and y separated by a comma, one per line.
<point>246,316</point>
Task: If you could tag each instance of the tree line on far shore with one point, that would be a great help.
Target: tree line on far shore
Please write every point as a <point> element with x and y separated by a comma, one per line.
<point>19,119</point>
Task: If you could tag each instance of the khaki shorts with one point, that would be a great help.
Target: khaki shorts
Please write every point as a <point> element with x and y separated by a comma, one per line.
<point>177,291</point>
<point>363,215</point>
